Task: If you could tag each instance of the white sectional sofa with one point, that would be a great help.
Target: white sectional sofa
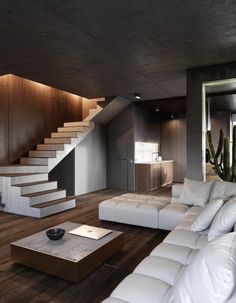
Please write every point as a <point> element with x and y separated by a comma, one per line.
<point>153,280</point>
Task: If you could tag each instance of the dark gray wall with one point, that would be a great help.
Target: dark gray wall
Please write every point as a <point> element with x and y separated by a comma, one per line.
<point>146,126</point>
<point>64,174</point>
<point>90,162</point>
<point>195,131</point>
<point>120,151</point>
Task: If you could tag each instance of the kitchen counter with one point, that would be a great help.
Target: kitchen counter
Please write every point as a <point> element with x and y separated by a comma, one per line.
<point>151,175</point>
<point>154,162</point>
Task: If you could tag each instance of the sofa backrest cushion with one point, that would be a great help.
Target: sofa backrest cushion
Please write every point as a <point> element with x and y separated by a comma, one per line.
<point>224,220</point>
<point>207,214</point>
<point>223,189</point>
<point>195,193</point>
<point>211,276</point>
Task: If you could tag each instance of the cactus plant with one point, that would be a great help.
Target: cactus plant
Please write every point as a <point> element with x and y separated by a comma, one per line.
<point>220,158</point>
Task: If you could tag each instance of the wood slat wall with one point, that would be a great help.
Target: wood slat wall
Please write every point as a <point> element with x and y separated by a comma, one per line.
<point>30,111</point>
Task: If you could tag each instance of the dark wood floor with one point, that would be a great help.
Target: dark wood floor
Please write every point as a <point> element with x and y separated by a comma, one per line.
<point>21,284</point>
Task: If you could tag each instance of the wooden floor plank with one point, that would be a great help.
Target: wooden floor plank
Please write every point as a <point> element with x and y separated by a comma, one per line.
<point>23,285</point>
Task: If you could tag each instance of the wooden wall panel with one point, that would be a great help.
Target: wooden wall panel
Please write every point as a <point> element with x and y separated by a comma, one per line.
<point>173,145</point>
<point>34,110</point>
<point>87,105</point>
<point>4,119</point>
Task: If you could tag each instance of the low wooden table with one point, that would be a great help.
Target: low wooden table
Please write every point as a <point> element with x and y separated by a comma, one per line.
<point>70,258</point>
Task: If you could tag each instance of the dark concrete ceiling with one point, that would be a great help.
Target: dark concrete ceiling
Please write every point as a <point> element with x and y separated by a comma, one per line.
<point>115,47</point>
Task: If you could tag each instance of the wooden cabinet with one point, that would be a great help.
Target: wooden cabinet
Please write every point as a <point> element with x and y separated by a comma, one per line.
<point>149,176</point>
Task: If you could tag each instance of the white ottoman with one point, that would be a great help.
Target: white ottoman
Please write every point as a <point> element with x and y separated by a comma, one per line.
<point>141,210</point>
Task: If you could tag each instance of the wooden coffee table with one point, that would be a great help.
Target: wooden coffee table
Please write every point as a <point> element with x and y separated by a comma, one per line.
<point>70,258</point>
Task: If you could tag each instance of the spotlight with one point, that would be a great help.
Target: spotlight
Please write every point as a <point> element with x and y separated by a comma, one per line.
<point>137,96</point>
<point>172,116</point>
<point>157,108</point>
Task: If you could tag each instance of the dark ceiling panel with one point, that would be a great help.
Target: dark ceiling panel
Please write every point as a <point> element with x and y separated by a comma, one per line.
<point>102,48</point>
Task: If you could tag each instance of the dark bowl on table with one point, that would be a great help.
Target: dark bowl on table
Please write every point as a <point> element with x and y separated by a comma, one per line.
<point>55,233</point>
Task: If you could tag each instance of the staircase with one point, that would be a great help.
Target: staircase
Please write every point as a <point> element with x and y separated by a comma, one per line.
<point>25,188</point>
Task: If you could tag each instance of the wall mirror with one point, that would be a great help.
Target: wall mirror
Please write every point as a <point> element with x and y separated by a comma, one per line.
<point>219,112</point>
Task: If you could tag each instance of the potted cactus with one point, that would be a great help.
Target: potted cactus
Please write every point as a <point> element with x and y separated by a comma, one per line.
<point>220,158</point>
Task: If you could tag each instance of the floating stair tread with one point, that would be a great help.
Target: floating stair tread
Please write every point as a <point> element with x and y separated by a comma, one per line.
<point>20,174</point>
<point>33,183</point>
<point>41,193</point>
<point>53,202</point>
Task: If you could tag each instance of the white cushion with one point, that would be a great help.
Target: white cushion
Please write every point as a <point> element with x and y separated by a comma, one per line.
<point>195,193</point>
<point>172,252</point>
<point>224,220</point>
<point>211,277</point>
<point>204,219</point>
<point>223,189</point>
<point>114,300</point>
<point>171,215</point>
<point>137,288</point>
<point>160,268</point>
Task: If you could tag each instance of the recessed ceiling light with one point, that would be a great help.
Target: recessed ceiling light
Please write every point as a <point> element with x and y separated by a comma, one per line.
<point>137,96</point>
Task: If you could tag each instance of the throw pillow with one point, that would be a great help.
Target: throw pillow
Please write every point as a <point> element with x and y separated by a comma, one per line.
<point>211,277</point>
<point>204,219</point>
<point>224,220</point>
<point>195,193</point>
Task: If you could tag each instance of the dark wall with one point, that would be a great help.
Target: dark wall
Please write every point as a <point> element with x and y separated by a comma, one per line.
<point>30,111</point>
<point>120,151</point>
<point>146,126</point>
<point>64,174</point>
<point>195,128</point>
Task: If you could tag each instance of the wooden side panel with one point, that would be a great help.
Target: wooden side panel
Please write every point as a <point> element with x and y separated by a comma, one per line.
<point>181,150</point>
<point>34,110</point>
<point>4,119</point>
<point>173,145</point>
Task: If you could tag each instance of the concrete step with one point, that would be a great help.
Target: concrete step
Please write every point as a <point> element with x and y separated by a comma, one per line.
<point>80,123</point>
<point>65,135</point>
<point>45,196</point>
<point>55,206</point>
<point>72,129</point>
<point>57,140</point>
<point>21,179</point>
<point>32,187</point>
<point>42,154</point>
<point>24,169</point>
<point>34,161</point>
<point>50,147</point>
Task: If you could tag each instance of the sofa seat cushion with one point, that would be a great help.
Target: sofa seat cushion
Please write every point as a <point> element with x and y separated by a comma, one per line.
<point>194,210</point>
<point>138,288</point>
<point>132,209</point>
<point>172,251</point>
<point>160,268</point>
<point>114,300</point>
<point>186,238</point>
<point>171,215</point>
